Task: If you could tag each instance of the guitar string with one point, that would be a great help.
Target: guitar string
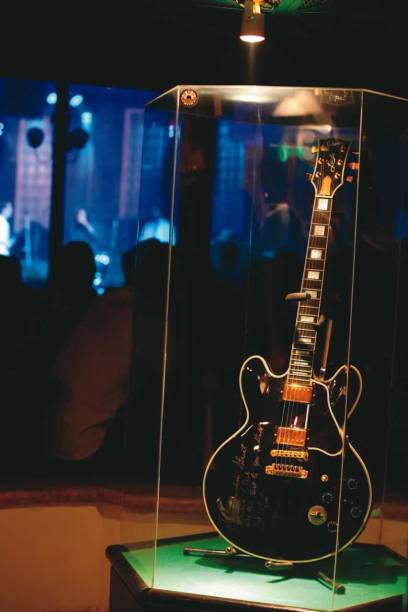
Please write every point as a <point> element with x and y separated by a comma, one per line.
<point>289,404</point>
<point>315,242</point>
<point>292,410</point>
<point>293,407</point>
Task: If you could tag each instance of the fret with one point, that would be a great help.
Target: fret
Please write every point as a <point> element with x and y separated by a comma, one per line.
<point>311,327</point>
<point>311,284</point>
<point>300,345</point>
<point>301,364</point>
<point>307,319</point>
<point>322,218</point>
<point>317,219</point>
<point>323,203</point>
<point>318,241</point>
<point>305,370</point>
<point>302,376</point>
<point>310,307</point>
<point>316,253</point>
<point>300,373</point>
<point>312,260</point>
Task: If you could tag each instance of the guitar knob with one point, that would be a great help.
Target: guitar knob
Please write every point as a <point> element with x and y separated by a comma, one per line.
<point>327,498</point>
<point>332,526</point>
<point>356,512</point>
<point>317,515</point>
<point>352,484</point>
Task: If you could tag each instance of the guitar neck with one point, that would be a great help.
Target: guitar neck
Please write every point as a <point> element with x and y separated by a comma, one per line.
<point>308,312</point>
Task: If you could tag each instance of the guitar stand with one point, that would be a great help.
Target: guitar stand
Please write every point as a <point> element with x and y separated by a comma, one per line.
<point>232,553</point>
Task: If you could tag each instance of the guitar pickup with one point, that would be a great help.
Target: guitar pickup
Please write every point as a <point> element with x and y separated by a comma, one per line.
<point>282,469</point>
<point>291,436</point>
<point>297,393</point>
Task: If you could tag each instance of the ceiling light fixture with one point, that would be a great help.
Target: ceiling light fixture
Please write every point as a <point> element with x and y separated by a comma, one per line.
<point>253,27</point>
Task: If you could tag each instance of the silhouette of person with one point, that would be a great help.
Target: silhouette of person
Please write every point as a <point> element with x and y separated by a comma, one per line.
<point>85,230</point>
<point>68,296</point>
<point>92,367</point>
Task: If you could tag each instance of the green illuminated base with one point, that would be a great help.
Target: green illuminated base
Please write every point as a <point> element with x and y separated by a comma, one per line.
<point>370,574</point>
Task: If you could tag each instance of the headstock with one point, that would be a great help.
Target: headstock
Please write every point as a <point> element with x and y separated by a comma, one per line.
<point>328,174</point>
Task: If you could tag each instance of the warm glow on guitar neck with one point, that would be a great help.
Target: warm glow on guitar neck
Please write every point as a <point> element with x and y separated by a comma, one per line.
<point>297,393</point>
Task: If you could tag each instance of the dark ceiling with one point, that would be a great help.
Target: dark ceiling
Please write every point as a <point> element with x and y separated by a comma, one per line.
<point>160,43</point>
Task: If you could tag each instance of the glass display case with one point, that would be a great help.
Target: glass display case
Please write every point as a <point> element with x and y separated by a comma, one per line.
<point>265,459</point>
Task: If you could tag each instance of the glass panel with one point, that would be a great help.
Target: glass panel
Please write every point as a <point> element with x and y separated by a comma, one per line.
<point>149,261</point>
<point>25,174</point>
<point>103,174</point>
<point>251,229</point>
<point>377,428</point>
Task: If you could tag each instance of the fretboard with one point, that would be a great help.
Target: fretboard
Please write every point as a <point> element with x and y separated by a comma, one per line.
<point>308,312</point>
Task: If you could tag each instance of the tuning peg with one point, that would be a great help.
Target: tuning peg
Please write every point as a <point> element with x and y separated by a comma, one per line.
<point>349,179</point>
<point>314,149</point>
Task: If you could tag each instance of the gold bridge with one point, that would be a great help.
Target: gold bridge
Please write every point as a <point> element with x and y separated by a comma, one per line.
<point>291,436</point>
<point>282,469</point>
<point>297,393</point>
<point>290,454</point>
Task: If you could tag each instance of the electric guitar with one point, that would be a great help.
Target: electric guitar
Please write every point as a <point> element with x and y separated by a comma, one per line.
<point>289,485</point>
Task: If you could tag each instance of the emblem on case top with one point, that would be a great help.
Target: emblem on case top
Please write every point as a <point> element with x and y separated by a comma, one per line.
<point>189,97</point>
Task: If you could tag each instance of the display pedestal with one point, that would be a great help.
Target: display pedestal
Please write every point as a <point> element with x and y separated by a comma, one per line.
<point>374,578</point>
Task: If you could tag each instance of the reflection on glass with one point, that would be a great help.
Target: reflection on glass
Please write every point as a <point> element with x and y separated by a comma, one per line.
<point>103,175</point>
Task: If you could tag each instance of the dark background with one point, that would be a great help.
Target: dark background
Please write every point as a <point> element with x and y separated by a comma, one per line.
<point>157,44</point>
<point>161,43</point>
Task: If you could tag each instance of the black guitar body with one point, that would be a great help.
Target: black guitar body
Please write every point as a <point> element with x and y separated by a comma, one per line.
<point>281,501</point>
